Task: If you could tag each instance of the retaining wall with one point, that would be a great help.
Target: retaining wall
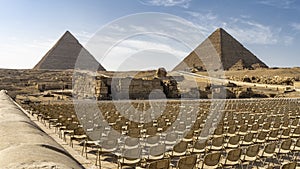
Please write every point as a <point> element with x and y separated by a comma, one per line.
<point>24,145</point>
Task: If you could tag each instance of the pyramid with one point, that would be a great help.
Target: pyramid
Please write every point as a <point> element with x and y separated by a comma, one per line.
<point>64,55</point>
<point>233,55</point>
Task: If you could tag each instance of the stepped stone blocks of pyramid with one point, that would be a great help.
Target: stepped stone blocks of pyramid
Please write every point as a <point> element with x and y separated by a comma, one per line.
<point>233,55</point>
<point>65,55</point>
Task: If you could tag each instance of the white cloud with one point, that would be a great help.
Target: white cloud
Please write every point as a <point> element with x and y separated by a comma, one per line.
<point>123,53</point>
<point>83,36</point>
<point>242,28</point>
<point>207,15</point>
<point>295,26</point>
<point>288,40</point>
<point>167,3</point>
<point>285,4</point>
<point>252,32</point>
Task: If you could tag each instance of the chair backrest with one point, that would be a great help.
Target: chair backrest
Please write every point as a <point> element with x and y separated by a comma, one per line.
<point>248,137</point>
<point>131,142</point>
<point>255,127</point>
<point>291,165</point>
<point>212,159</point>
<point>217,141</point>
<point>171,137</point>
<point>286,132</point>
<point>134,132</point>
<point>232,129</point>
<point>79,131</point>
<point>285,123</point>
<point>270,148</point>
<point>95,133</point>
<point>188,162</point>
<point>234,155</point>
<point>157,150</point>
<point>243,128</point>
<point>234,139</point>
<point>72,126</point>
<point>286,144</point>
<point>180,147</point>
<point>113,134</point>
<point>110,144</point>
<point>132,154</point>
<point>297,144</point>
<point>200,144</point>
<point>297,130</point>
<point>153,139</point>
<point>295,122</point>
<point>160,164</point>
<point>252,150</point>
<point>218,130</point>
<point>276,125</point>
<point>151,131</point>
<point>274,133</point>
<point>262,135</point>
<point>189,134</point>
<point>266,125</point>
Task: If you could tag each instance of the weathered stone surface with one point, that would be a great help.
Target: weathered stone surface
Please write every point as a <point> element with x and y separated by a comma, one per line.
<point>232,54</point>
<point>25,145</point>
<point>102,87</point>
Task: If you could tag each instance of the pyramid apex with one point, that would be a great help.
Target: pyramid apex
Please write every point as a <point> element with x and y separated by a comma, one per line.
<point>220,30</point>
<point>68,33</point>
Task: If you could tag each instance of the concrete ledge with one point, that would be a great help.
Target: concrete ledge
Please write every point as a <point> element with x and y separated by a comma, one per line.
<point>24,145</point>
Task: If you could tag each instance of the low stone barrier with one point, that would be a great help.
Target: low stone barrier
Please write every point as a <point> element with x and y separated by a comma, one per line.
<point>24,145</point>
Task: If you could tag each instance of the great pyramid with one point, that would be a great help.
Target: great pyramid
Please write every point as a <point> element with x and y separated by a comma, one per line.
<point>64,55</point>
<point>233,55</point>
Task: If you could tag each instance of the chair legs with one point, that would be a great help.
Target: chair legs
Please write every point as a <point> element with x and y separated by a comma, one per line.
<point>98,158</point>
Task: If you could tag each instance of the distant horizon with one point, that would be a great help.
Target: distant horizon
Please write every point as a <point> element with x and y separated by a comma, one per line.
<point>157,67</point>
<point>268,28</point>
<point>270,67</point>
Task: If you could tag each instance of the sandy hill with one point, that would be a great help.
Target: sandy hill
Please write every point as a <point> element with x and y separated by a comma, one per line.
<point>64,55</point>
<point>233,55</point>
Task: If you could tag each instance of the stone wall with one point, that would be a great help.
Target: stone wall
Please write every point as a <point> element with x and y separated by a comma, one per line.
<point>24,145</point>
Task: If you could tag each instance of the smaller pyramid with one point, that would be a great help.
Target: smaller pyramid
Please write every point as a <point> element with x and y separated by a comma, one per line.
<point>64,55</point>
<point>233,55</point>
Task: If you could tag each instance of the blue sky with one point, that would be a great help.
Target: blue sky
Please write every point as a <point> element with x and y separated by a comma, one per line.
<point>29,28</point>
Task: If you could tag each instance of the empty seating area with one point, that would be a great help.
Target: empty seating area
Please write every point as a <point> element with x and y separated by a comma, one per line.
<point>244,133</point>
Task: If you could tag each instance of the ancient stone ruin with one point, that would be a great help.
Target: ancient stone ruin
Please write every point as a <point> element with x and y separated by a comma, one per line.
<point>102,87</point>
<point>65,55</point>
<point>233,55</point>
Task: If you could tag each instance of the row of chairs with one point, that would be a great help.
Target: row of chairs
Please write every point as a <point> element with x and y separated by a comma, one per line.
<point>248,121</point>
